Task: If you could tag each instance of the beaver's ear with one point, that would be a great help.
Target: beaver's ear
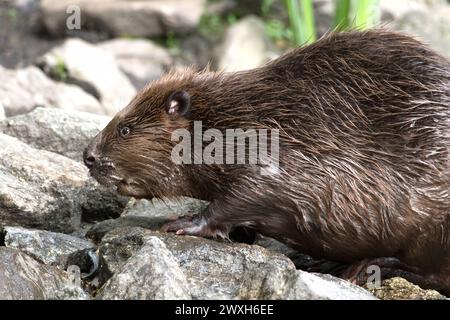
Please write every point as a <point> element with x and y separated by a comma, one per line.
<point>178,104</point>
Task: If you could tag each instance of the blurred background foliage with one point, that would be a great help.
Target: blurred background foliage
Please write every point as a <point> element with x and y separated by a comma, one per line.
<point>300,28</point>
<point>121,45</point>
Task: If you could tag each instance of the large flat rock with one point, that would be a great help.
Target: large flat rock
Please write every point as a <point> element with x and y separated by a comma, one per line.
<point>206,269</point>
<point>140,59</point>
<point>125,17</point>
<point>23,90</point>
<point>65,132</point>
<point>41,189</point>
<point>23,278</point>
<point>45,246</point>
<point>95,70</point>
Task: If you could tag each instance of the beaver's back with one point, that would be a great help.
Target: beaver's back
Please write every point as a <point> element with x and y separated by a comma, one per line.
<point>364,150</point>
<point>368,149</point>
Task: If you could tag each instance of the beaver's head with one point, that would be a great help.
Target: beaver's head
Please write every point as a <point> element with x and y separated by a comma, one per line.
<point>133,152</point>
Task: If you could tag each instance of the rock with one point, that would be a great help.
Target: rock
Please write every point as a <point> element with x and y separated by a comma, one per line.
<point>301,260</point>
<point>141,60</point>
<point>165,208</point>
<point>117,248</point>
<point>44,190</point>
<point>47,247</point>
<point>24,4</point>
<point>431,27</point>
<point>93,69</point>
<point>324,12</point>
<point>23,90</point>
<point>125,17</point>
<point>23,278</point>
<point>147,214</point>
<point>246,46</point>
<point>87,262</point>
<point>400,289</point>
<point>2,112</point>
<point>392,10</point>
<point>98,231</point>
<point>274,245</point>
<point>221,7</point>
<point>217,270</point>
<point>65,132</point>
<point>309,286</point>
<point>195,50</point>
<point>20,25</point>
<point>151,273</point>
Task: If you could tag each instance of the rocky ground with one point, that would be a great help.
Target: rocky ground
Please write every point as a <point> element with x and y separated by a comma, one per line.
<point>62,236</point>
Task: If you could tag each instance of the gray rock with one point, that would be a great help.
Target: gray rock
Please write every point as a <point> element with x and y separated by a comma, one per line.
<point>217,270</point>
<point>274,245</point>
<point>24,5</point>
<point>195,50</point>
<point>141,60</point>
<point>117,247</point>
<point>151,273</point>
<point>22,277</point>
<point>397,9</point>
<point>324,12</point>
<point>165,208</point>
<point>301,261</point>
<point>98,230</point>
<point>41,189</point>
<point>93,69</point>
<point>309,286</point>
<point>65,132</point>
<point>246,46</point>
<point>23,90</point>
<point>45,246</point>
<point>147,214</point>
<point>125,17</point>
<point>2,112</point>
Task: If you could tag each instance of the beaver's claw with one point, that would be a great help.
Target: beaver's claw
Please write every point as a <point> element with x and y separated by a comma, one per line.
<point>186,225</point>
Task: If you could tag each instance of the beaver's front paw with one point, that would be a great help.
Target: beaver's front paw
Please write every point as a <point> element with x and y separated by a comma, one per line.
<point>186,225</point>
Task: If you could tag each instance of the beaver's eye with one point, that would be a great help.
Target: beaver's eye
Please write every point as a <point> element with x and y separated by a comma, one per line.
<point>125,131</point>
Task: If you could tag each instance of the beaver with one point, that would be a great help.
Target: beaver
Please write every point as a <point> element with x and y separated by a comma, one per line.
<point>363,171</point>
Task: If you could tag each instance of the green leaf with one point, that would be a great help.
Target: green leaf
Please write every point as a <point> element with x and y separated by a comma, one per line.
<point>366,14</point>
<point>342,13</point>
<point>301,18</point>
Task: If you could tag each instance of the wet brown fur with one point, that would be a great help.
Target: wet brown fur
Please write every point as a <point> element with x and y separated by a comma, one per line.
<point>364,120</point>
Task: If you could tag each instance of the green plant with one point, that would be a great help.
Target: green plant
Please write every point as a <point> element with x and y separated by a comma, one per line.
<point>210,24</point>
<point>278,31</point>
<point>172,41</point>
<point>60,71</point>
<point>301,18</point>
<point>12,14</point>
<point>349,14</point>
<point>231,19</point>
<point>265,7</point>
<point>366,13</point>
<point>341,17</point>
<point>355,14</point>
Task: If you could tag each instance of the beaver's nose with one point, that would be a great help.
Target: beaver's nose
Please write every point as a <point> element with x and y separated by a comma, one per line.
<point>89,158</point>
<point>92,154</point>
